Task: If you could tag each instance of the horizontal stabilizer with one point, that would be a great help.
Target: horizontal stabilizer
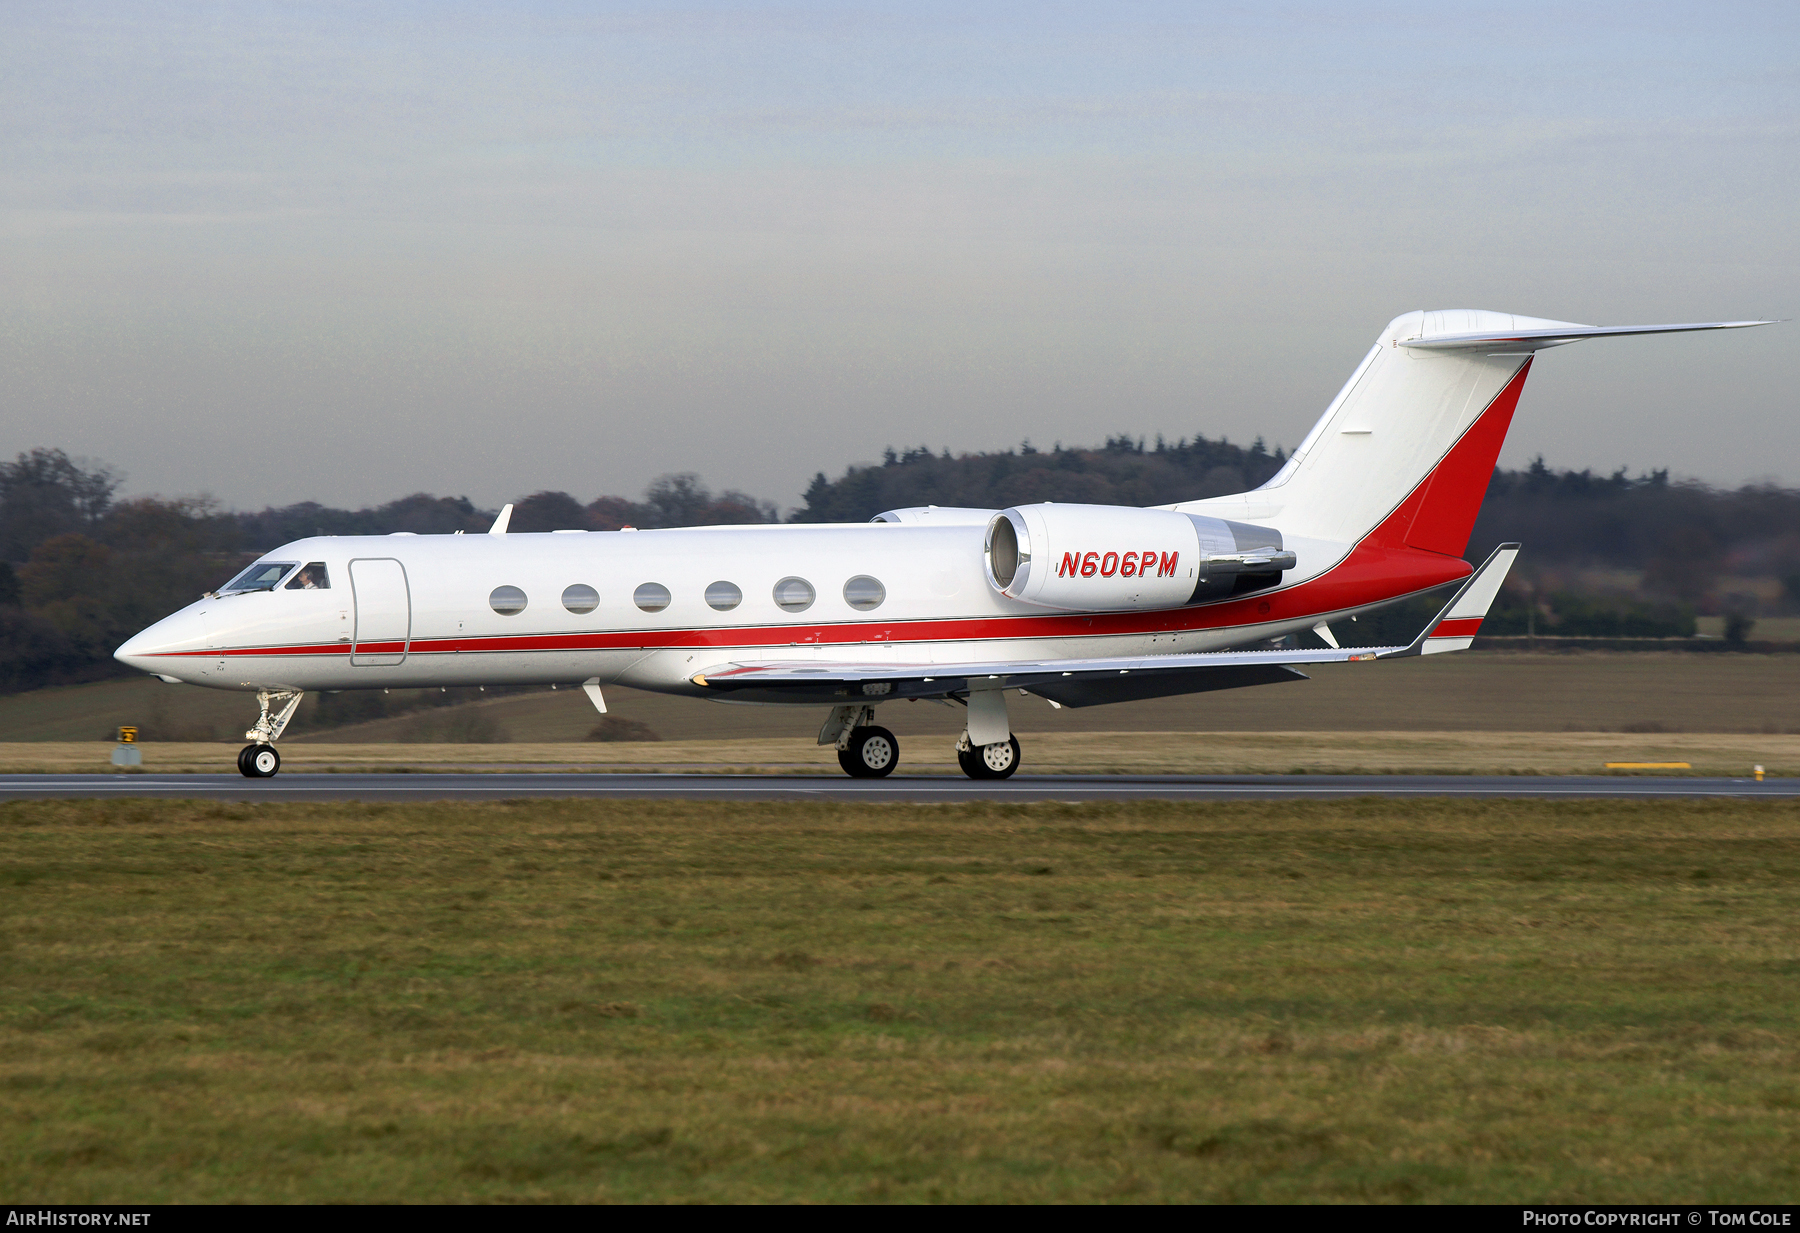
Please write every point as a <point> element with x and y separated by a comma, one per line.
<point>1562,333</point>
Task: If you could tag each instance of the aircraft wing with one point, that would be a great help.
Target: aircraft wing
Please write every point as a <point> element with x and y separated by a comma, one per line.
<point>1091,682</point>
<point>1067,682</point>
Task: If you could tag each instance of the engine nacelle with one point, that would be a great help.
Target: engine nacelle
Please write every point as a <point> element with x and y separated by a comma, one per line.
<point>936,516</point>
<point>1114,558</point>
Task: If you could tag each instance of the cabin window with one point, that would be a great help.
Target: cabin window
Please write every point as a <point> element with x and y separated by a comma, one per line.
<point>507,601</point>
<point>794,595</point>
<point>864,593</point>
<point>312,577</point>
<point>259,577</point>
<point>651,597</point>
<point>723,596</point>
<point>580,598</point>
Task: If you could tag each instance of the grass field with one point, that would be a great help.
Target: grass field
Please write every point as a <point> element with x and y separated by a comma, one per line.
<point>1435,1001</point>
<point>1183,753</point>
<point>1471,692</point>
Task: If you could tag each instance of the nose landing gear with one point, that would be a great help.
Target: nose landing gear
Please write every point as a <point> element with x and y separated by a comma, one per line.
<point>259,760</point>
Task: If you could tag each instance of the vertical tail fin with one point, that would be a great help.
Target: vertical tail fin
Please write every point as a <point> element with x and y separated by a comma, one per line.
<point>1414,429</point>
<point>1404,453</point>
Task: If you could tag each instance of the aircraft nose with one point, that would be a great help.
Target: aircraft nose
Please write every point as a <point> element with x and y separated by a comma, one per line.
<point>137,651</point>
<point>156,650</point>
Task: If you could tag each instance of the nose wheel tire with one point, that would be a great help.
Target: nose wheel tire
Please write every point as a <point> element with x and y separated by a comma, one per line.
<point>871,753</point>
<point>996,761</point>
<point>258,761</point>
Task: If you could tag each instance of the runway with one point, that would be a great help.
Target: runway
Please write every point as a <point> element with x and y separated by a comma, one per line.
<point>900,788</point>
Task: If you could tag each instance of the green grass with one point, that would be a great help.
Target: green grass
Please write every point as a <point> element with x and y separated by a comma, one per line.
<point>1436,1001</point>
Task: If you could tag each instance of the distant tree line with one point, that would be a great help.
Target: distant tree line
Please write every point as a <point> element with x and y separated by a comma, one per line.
<point>1684,536</point>
<point>672,501</point>
<point>1123,471</point>
<point>1670,543</point>
<point>81,570</point>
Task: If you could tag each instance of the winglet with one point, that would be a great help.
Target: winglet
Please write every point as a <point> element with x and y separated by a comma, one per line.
<point>1454,628</point>
<point>500,523</point>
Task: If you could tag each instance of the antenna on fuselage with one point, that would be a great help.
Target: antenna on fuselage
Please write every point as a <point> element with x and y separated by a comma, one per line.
<point>500,523</point>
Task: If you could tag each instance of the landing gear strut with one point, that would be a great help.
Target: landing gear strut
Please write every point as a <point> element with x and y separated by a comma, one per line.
<point>990,758</point>
<point>259,760</point>
<point>996,761</point>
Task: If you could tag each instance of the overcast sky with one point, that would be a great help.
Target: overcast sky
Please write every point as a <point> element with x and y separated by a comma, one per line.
<point>346,252</point>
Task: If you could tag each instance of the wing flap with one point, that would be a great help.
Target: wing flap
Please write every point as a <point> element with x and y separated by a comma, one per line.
<point>1098,689</point>
<point>1070,682</point>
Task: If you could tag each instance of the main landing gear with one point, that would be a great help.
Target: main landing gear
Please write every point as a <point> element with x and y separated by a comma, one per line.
<point>987,748</point>
<point>258,760</point>
<point>996,761</point>
<point>870,753</point>
<point>864,750</point>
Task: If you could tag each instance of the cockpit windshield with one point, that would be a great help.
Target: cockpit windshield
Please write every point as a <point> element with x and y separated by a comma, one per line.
<point>263,576</point>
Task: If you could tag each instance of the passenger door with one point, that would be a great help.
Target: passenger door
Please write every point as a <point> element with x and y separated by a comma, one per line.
<point>383,612</point>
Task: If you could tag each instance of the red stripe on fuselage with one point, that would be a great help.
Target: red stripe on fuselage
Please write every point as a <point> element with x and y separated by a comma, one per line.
<point>1368,575</point>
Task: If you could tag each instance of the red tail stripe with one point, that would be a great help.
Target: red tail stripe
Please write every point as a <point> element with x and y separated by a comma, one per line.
<point>1451,498</point>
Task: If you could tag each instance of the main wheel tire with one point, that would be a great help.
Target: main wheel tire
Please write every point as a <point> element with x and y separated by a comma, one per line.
<point>996,761</point>
<point>871,753</point>
<point>244,762</point>
<point>259,761</point>
<point>1001,758</point>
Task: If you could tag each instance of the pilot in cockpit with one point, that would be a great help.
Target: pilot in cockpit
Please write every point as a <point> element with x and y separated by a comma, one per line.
<point>310,578</point>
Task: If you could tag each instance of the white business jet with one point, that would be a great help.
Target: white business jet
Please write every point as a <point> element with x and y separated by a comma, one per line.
<point>1078,604</point>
